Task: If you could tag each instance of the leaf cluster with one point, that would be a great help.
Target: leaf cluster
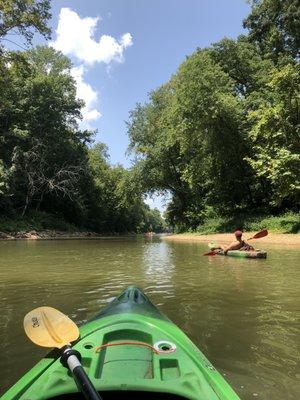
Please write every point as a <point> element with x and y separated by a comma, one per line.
<point>23,17</point>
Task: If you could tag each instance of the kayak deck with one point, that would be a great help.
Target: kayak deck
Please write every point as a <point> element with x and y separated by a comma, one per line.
<point>141,352</point>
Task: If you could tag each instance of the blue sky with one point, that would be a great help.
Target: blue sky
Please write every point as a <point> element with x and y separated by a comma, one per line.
<point>133,47</point>
<point>163,32</point>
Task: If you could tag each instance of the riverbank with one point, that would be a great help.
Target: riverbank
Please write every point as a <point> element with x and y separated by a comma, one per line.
<point>219,238</point>
<point>39,225</point>
<point>47,234</point>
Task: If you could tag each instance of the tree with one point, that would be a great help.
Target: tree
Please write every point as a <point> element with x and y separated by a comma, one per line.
<point>23,16</point>
<point>242,61</point>
<point>210,115</point>
<point>45,162</point>
<point>152,221</point>
<point>189,140</point>
<point>41,143</point>
<point>160,164</point>
<point>275,135</point>
<point>118,204</point>
<point>40,180</point>
<point>274,25</point>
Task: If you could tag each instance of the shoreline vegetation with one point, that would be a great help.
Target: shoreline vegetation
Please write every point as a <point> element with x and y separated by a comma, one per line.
<point>219,138</point>
<point>46,226</point>
<point>221,135</point>
<point>41,226</point>
<point>48,234</point>
<point>284,229</point>
<point>284,223</point>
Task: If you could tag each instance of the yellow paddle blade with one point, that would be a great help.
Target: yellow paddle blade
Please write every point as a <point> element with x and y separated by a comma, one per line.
<point>48,327</point>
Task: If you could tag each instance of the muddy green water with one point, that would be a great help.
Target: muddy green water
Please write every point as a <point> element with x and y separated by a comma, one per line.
<point>243,314</point>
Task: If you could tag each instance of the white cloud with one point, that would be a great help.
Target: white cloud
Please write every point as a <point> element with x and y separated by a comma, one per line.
<point>75,36</point>
<point>86,93</point>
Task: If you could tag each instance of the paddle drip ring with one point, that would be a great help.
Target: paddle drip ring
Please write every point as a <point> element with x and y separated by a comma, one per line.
<point>163,346</point>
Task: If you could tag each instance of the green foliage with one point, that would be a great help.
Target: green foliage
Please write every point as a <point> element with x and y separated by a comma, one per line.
<point>153,140</point>
<point>286,223</point>
<point>22,16</point>
<point>45,162</point>
<point>223,132</point>
<point>41,145</point>
<point>118,197</point>
<point>190,141</point>
<point>3,179</point>
<point>152,222</point>
<point>35,220</point>
<point>275,134</point>
<point>274,25</point>
<point>242,61</point>
<point>221,136</point>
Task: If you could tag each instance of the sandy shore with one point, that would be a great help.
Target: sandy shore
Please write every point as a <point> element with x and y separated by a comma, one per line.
<point>272,238</point>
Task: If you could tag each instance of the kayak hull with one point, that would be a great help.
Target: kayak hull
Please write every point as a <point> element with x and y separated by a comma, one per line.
<point>129,346</point>
<point>244,254</point>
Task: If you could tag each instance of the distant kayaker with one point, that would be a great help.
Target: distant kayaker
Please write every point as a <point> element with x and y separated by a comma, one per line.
<point>238,244</point>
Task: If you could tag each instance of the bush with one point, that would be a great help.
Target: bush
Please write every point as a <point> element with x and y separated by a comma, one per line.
<point>286,223</point>
<point>35,221</point>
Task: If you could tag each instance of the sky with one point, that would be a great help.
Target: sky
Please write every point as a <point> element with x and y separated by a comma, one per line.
<point>123,49</point>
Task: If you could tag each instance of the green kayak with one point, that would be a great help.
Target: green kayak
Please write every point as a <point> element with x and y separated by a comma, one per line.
<point>238,253</point>
<point>243,254</point>
<point>128,347</point>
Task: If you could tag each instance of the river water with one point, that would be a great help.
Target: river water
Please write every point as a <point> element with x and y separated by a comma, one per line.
<point>243,314</point>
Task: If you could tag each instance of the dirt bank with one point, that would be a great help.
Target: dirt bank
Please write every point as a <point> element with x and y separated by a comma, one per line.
<point>272,238</point>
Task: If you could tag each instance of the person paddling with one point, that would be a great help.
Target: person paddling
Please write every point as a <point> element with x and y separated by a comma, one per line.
<point>238,244</point>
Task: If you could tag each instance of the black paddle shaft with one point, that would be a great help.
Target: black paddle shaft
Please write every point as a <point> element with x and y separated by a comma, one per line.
<point>70,359</point>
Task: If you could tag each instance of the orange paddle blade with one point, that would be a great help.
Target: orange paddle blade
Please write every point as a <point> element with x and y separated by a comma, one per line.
<point>48,327</point>
<point>210,253</point>
<point>260,234</point>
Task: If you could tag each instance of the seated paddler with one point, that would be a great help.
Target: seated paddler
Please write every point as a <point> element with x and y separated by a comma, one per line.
<point>237,244</point>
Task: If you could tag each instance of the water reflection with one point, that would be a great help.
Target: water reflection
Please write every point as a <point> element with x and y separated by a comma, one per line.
<point>243,314</point>
<point>159,269</point>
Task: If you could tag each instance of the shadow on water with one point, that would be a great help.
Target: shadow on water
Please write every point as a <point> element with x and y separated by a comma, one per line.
<point>241,313</point>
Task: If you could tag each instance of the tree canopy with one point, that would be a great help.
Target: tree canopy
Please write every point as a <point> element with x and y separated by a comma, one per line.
<point>23,17</point>
<point>222,135</point>
<point>274,25</point>
<point>47,163</point>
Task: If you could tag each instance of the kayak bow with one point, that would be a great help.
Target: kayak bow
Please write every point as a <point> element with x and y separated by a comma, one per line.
<point>129,347</point>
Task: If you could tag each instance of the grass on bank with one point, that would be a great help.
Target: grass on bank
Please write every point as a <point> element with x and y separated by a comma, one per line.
<point>286,223</point>
<point>37,221</point>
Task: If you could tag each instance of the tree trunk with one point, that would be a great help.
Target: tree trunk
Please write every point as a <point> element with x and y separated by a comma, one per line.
<point>26,205</point>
